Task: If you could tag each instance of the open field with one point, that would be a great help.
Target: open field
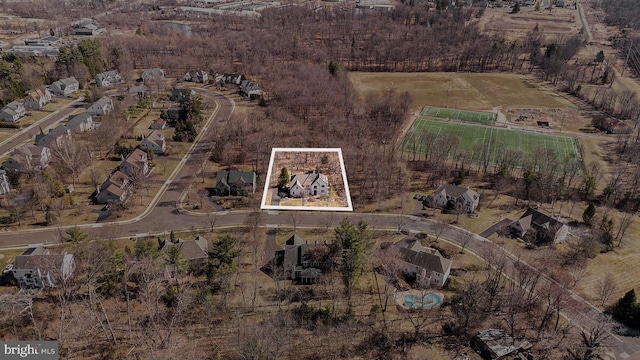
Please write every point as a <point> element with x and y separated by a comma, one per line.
<point>499,139</point>
<point>459,114</point>
<point>470,91</point>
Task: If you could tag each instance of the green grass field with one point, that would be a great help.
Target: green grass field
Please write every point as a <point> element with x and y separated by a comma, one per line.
<point>500,139</point>
<point>458,114</point>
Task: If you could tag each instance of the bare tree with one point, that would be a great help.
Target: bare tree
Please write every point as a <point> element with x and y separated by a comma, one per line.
<point>465,239</point>
<point>439,228</point>
<point>605,288</point>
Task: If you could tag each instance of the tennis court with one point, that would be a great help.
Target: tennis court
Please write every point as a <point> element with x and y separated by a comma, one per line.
<point>459,114</point>
<point>499,139</point>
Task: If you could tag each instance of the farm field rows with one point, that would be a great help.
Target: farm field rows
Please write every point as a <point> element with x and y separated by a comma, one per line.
<point>459,114</point>
<point>499,139</point>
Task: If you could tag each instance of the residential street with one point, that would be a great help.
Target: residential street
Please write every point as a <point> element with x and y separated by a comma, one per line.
<point>27,133</point>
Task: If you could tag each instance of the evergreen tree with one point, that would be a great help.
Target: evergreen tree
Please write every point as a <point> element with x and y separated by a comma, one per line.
<point>516,8</point>
<point>284,179</point>
<point>351,241</point>
<point>588,214</point>
<point>75,235</point>
<point>176,260</point>
<point>222,257</point>
<point>626,310</point>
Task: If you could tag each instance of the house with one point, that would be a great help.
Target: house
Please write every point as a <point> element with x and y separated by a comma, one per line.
<point>309,184</point>
<point>250,90</point>
<point>55,138</point>
<point>194,251</point>
<point>88,29</point>
<point>179,94</point>
<point>233,78</point>
<point>114,189</point>
<point>152,74</point>
<point>426,265</point>
<point>539,227</point>
<point>158,124</point>
<point>65,87</point>
<point>80,123</point>
<point>449,196</point>
<point>101,107</point>
<point>37,99</point>
<point>135,164</point>
<point>4,183</point>
<point>33,50</point>
<point>235,183</point>
<point>296,262</point>
<point>118,179</point>
<point>493,344</point>
<point>45,41</point>
<point>12,112</point>
<point>155,142</point>
<point>198,76</point>
<point>37,268</point>
<point>111,195</point>
<point>28,158</point>
<point>138,91</point>
<point>108,78</point>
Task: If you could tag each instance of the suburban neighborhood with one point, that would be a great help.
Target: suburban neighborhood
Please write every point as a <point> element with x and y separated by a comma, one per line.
<point>370,179</point>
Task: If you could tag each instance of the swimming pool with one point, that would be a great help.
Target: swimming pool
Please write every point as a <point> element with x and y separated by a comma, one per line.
<point>426,301</point>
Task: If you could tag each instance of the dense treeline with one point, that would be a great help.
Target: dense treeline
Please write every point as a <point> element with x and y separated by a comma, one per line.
<point>621,13</point>
<point>409,38</point>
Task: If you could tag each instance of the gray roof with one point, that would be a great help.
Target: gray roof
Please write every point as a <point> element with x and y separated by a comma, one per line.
<point>108,74</point>
<point>307,179</point>
<point>105,100</point>
<point>294,240</point>
<point>533,216</point>
<point>456,191</point>
<point>425,260</point>
<point>30,262</point>
<point>232,177</point>
<point>78,119</point>
<point>498,341</point>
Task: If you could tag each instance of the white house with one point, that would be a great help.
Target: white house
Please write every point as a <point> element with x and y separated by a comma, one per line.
<point>199,76</point>
<point>155,141</point>
<point>12,112</point>
<point>37,268</point>
<point>55,138</point>
<point>37,99</point>
<point>108,78</point>
<point>80,123</point>
<point>454,197</point>
<point>310,184</point>
<point>28,158</point>
<point>152,74</point>
<point>65,87</point>
<point>101,107</point>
